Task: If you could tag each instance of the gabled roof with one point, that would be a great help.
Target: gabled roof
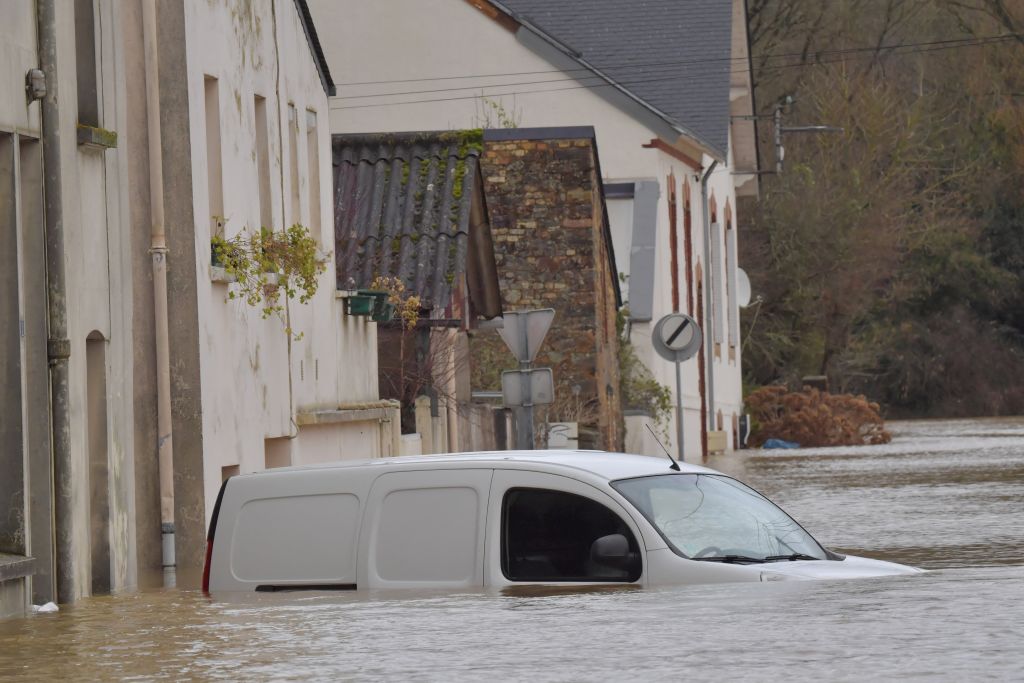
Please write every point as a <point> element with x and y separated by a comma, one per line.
<point>411,206</point>
<point>674,56</point>
<point>314,47</point>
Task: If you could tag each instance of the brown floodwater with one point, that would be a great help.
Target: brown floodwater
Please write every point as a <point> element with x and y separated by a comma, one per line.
<point>947,496</point>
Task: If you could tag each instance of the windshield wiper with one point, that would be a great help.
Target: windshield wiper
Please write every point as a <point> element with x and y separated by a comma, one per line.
<point>729,559</point>
<point>788,558</point>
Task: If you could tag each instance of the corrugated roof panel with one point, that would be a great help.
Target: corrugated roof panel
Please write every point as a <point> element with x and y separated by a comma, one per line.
<point>402,209</point>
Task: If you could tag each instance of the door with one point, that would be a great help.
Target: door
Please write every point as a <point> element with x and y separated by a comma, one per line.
<point>542,528</point>
<point>425,529</point>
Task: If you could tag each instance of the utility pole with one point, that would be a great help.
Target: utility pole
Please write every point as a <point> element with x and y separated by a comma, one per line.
<point>779,130</point>
<point>780,151</point>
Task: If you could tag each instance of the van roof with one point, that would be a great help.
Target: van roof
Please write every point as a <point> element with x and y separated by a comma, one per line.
<point>610,466</point>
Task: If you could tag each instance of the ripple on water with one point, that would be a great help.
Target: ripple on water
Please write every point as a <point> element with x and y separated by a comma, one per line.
<point>944,495</point>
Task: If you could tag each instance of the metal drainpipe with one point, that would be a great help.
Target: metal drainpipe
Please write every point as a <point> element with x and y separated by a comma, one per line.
<point>58,347</point>
<point>158,250</point>
<point>708,298</point>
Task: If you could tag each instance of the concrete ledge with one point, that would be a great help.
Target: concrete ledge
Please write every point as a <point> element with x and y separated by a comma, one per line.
<point>99,139</point>
<point>219,274</point>
<point>356,412</point>
<point>15,566</point>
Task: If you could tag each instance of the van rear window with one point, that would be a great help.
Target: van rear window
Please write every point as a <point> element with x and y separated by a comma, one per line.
<point>548,536</point>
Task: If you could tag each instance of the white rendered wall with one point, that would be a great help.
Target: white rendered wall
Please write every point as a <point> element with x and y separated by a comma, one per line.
<point>252,384</point>
<point>423,39</point>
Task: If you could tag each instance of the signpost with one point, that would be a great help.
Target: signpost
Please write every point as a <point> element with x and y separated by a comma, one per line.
<point>676,338</point>
<point>523,333</point>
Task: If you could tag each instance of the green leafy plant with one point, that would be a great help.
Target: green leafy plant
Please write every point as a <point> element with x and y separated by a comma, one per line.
<point>641,391</point>
<point>266,263</point>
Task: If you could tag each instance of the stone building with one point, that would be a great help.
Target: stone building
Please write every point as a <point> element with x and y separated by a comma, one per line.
<point>553,249</point>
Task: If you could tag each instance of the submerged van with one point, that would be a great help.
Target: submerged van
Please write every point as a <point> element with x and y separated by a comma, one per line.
<point>503,519</point>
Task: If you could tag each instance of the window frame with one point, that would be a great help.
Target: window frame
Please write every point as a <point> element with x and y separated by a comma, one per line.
<point>635,574</point>
<point>829,554</point>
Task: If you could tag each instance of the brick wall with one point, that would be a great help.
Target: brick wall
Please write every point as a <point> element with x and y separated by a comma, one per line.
<point>547,225</point>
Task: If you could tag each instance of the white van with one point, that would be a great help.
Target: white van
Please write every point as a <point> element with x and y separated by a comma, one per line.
<point>503,519</point>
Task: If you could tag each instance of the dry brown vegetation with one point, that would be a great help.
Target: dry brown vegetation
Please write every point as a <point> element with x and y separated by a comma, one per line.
<point>814,418</point>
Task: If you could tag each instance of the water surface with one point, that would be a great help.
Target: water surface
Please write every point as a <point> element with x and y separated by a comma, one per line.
<point>945,495</point>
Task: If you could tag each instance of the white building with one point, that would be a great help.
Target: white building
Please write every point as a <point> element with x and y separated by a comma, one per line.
<point>664,86</point>
<point>104,197</point>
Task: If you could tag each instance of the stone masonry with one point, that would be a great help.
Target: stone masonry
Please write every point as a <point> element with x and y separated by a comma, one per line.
<point>548,225</point>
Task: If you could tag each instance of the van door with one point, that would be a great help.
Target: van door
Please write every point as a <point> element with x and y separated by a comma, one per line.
<point>425,529</point>
<point>542,528</point>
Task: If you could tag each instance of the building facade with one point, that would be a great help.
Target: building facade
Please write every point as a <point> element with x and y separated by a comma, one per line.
<point>553,250</point>
<point>666,92</point>
<point>133,381</point>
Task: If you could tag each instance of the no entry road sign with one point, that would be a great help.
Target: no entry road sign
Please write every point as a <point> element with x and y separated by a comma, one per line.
<point>677,337</point>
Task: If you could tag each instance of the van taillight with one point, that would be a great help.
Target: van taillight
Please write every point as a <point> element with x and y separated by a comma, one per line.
<point>210,536</point>
<point>206,565</point>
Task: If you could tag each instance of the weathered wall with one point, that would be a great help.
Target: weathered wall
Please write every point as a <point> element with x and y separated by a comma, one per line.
<point>254,383</point>
<point>547,225</point>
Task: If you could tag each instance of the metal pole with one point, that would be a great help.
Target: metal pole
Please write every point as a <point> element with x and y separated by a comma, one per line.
<point>710,281</point>
<point>58,347</point>
<point>779,151</point>
<point>524,418</point>
<point>679,409</point>
<point>158,250</point>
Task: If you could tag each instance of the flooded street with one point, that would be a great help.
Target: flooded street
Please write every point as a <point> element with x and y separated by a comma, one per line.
<point>945,495</point>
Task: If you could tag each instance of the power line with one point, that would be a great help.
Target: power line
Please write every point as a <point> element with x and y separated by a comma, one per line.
<point>839,56</point>
<point>967,41</point>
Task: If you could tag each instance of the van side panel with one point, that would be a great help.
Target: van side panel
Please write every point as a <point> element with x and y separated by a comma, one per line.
<point>426,529</point>
<point>290,528</point>
<point>299,538</point>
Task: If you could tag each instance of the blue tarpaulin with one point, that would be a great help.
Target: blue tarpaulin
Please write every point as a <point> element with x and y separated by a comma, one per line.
<point>780,443</point>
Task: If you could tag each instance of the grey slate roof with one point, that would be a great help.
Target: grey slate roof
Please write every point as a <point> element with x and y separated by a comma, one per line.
<point>674,55</point>
<point>411,205</point>
<point>306,19</point>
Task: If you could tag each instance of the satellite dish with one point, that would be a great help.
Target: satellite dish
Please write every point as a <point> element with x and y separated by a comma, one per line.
<point>742,288</point>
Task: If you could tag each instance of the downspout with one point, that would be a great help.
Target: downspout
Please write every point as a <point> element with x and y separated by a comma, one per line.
<point>58,347</point>
<point>708,299</point>
<point>158,250</point>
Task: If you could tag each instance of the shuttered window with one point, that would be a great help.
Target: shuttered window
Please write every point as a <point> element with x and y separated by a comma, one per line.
<point>734,309</point>
<point>715,282</point>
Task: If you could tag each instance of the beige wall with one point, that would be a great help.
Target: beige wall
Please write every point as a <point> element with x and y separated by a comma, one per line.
<point>253,384</point>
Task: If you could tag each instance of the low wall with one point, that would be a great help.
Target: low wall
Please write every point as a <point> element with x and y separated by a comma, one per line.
<point>14,573</point>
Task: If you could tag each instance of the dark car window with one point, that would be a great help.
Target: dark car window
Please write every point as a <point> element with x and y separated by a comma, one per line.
<point>547,536</point>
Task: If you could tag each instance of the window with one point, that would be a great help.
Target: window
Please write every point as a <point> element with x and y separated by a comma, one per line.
<point>293,164</point>
<point>688,245</point>
<point>214,165</point>
<point>85,62</point>
<point>313,162</point>
<point>263,162</point>
<point>710,517</point>
<point>673,240</point>
<point>730,285</point>
<point>548,536</point>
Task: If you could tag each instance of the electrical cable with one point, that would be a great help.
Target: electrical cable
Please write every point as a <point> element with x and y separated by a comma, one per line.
<point>967,41</point>
<point>627,84</point>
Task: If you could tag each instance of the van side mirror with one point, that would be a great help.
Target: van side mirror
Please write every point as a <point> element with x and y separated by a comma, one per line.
<point>612,551</point>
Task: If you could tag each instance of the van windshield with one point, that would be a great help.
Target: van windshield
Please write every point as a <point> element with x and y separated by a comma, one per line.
<point>715,518</point>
